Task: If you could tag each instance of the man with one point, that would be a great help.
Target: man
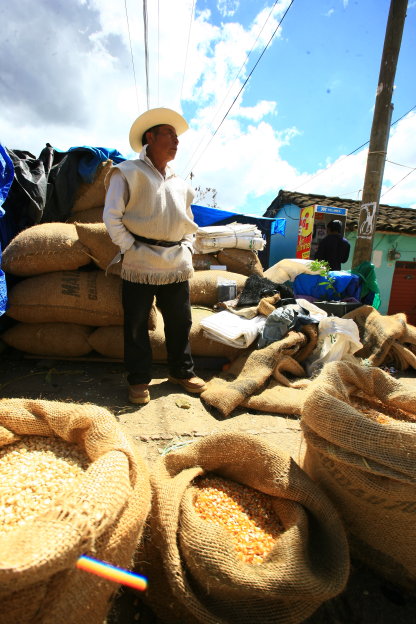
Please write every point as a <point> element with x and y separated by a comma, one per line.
<point>148,215</point>
<point>333,248</point>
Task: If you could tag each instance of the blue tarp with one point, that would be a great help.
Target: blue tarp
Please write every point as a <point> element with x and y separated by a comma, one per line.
<point>345,284</point>
<point>89,163</point>
<point>6,176</point>
<point>205,216</point>
<point>6,179</point>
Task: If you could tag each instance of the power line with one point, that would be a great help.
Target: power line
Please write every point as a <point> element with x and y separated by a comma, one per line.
<point>132,59</point>
<point>233,83</point>
<point>397,183</point>
<point>187,47</point>
<point>146,51</point>
<point>350,154</point>
<point>244,83</point>
<point>398,164</point>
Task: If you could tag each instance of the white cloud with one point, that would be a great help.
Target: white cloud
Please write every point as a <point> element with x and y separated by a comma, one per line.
<point>227,8</point>
<point>69,81</point>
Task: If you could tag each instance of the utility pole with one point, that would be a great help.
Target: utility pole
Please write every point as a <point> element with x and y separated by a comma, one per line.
<point>379,133</point>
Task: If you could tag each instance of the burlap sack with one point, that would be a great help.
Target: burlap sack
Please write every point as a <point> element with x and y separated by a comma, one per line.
<point>281,396</point>
<point>366,463</point>
<point>91,215</point>
<point>92,195</point>
<point>242,261</point>
<point>43,248</point>
<point>85,298</point>
<point>251,370</point>
<point>95,237</point>
<point>103,517</point>
<point>194,572</point>
<point>50,339</point>
<point>378,333</point>
<point>202,262</point>
<point>108,341</point>
<point>204,285</point>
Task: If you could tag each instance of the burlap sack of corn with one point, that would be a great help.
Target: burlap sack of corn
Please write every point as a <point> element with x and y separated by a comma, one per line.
<point>242,261</point>
<point>204,285</point>
<point>200,572</point>
<point>85,298</point>
<point>95,237</point>
<point>92,195</point>
<point>203,262</point>
<point>91,215</point>
<point>360,430</point>
<point>43,248</point>
<point>251,371</point>
<point>108,341</point>
<point>50,339</point>
<point>100,512</point>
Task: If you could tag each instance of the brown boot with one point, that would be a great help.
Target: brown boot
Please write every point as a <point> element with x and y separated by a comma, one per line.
<point>196,385</point>
<point>139,394</point>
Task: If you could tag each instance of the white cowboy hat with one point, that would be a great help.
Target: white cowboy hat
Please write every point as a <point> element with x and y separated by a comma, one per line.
<point>154,117</point>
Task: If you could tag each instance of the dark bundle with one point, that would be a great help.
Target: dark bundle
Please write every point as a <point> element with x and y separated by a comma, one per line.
<point>257,287</point>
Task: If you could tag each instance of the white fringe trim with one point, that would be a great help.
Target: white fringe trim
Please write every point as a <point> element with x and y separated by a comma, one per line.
<point>157,279</point>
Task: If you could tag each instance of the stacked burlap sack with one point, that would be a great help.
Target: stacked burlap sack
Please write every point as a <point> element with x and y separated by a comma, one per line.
<point>49,520</point>
<point>202,572</point>
<point>67,304</point>
<point>359,425</point>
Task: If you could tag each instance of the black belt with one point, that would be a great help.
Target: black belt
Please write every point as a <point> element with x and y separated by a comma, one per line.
<point>152,241</point>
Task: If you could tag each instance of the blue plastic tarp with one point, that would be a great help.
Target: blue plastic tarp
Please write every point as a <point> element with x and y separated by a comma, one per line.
<point>205,216</point>
<point>3,291</point>
<point>6,176</point>
<point>87,165</point>
<point>345,285</point>
<point>6,179</point>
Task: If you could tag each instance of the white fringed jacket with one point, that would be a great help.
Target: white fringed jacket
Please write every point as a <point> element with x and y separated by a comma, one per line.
<point>141,201</point>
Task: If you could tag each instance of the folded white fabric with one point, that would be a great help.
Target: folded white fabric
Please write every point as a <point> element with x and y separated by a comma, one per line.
<point>231,236</point>
<point>231,329</point>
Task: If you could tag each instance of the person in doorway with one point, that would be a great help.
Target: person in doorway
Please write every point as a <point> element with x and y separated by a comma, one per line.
<point>333,248</point>
<point>148,214</point>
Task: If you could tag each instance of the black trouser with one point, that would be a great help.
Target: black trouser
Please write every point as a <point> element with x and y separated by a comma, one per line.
<point>173,302</point>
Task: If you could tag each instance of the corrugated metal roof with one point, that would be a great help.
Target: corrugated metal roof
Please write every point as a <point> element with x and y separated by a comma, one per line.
<point>389,218</point>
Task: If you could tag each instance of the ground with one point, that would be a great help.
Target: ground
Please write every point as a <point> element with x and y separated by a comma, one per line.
<point>171,418</point>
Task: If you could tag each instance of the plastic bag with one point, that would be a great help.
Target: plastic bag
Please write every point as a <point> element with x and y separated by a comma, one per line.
<point>338,339</point>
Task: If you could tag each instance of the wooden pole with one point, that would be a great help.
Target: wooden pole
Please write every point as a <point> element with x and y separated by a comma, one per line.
<point>379,133</point>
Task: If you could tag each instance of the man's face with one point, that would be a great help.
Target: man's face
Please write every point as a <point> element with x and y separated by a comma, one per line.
<point>164,143</point>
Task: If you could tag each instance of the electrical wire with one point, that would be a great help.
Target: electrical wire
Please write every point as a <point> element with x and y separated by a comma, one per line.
<point>146,51</point>
<point>187,47</point>
<point>337,162</point>
<point>398,164</point>
<point>397,183</point>
<point>244,84</point>
<point>132,59</point>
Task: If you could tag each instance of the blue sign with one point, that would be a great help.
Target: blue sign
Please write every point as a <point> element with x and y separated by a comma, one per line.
<point>331,210</point>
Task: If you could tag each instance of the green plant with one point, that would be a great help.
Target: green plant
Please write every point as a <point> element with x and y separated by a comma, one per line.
<point>323,267</point>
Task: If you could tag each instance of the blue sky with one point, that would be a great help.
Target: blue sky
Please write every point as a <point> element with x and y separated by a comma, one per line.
<point>74,73</point>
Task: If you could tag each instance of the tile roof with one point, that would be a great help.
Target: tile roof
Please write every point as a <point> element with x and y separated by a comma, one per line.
<point>389,218</point>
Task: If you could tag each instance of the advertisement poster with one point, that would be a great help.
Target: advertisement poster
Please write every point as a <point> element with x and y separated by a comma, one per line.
<point>306,220</point>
